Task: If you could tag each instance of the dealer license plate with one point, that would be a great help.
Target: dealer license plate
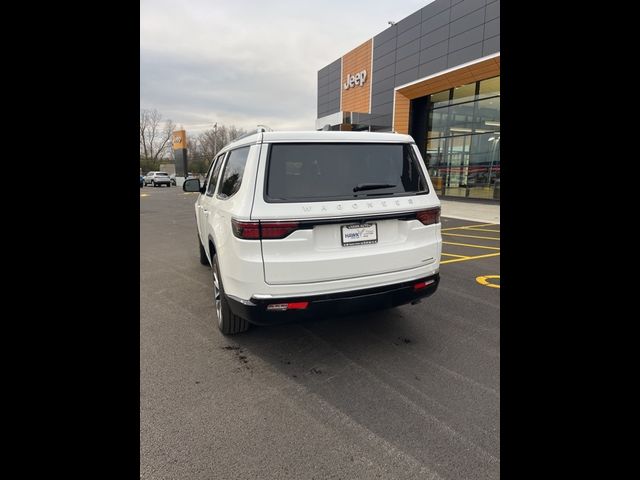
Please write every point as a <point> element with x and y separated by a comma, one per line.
<point>359,234</point>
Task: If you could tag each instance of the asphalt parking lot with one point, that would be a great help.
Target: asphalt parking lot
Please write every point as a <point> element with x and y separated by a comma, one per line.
<point>412,392</point>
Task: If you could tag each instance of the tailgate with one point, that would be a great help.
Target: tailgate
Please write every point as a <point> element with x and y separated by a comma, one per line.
<point>348,249</point>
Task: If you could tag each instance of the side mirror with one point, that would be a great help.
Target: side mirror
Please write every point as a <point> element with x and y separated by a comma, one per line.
<point>191,185</point>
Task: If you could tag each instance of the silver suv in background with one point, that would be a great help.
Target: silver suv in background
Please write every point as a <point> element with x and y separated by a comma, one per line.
<point>157,179</point>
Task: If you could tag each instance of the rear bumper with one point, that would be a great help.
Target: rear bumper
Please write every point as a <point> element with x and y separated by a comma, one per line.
<point>255,310</point>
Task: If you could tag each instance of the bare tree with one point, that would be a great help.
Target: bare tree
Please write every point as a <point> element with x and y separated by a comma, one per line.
<point>235,132</point>
<point>211,141</point>
<point>155,137</point>
<point>155,142</point>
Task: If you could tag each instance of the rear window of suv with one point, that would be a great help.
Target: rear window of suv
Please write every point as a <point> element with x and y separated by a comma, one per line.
<point>299,172</point>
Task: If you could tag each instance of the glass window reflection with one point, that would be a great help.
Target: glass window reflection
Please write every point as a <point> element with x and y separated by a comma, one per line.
<point>463,141</point>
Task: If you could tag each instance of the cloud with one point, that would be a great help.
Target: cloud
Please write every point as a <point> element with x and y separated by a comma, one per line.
<point>248,62</point>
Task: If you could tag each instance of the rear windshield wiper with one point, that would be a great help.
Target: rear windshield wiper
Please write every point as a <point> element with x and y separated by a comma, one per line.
<point>372,186</point>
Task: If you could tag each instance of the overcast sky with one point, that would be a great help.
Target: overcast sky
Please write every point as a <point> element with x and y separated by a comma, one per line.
<point>247,62</point>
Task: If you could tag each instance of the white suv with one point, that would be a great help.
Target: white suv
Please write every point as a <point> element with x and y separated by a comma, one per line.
<point>298,224</point>
<point>157,179</point>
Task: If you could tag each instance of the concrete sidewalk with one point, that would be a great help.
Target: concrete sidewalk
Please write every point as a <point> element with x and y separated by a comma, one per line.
<point>473,211</point>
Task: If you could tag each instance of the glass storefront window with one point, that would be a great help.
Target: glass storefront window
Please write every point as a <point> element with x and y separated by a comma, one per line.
<point>437,99</point>
<point>488,114</point>
<point>490,85</point>
<point>461,118</point>
<point>472,117</point>
<point>465,91</point>
<point>438,123</point>
<point>463,142</point>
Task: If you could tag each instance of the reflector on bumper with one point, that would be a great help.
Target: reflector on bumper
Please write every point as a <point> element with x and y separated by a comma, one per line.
<point>281,307</point>
<point>421,285</point>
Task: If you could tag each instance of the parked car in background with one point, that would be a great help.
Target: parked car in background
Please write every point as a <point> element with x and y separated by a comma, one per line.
<point>299,224</point>
<point>157,179</point>
<point>189,175</point>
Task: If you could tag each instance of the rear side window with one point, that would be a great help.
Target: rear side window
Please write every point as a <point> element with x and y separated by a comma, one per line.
<point>206,177</point>
<point>233,172</point>
<point>214,175</point>
<point>341,171</point>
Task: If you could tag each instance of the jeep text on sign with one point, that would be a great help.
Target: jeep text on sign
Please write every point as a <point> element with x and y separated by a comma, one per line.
<point>355,80</point>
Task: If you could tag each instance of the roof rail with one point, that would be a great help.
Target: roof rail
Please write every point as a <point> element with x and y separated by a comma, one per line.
<point>260,129</point>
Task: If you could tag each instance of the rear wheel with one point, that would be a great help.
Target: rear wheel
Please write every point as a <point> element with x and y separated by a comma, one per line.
<point>228,323</point>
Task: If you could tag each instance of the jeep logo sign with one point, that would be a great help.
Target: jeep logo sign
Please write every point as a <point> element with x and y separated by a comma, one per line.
<point>355,80</point>
<point>179,139</point>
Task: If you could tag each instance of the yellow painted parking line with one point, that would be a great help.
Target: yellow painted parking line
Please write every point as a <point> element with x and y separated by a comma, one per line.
<point>484,280</point>
<point>468,245</point>
<point>483,230</point>
<point>452,255</point>
<point>470,236</point>
<point>466,259</point>
<point>471,226</point>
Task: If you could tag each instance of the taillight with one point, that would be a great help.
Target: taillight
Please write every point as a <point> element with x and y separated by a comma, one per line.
<point>278,229</point>
<point>257,230</point>
<point>246,230</point>
<point>429,217</point>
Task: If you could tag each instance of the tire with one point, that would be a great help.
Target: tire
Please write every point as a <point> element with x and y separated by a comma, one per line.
<point>153,184</point>
<point>228,323</point>
<point>203,254</point>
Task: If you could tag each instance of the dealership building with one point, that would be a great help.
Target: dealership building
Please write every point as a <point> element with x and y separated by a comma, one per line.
<point>434,75</point>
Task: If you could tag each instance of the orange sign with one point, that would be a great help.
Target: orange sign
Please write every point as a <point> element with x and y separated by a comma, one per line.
<point>356,79</point>
<point>179,139</point>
